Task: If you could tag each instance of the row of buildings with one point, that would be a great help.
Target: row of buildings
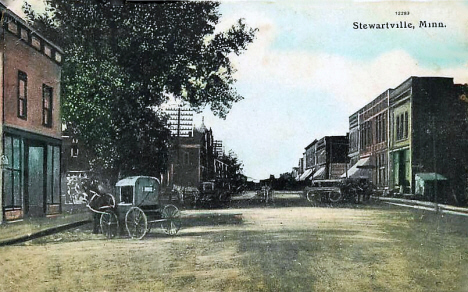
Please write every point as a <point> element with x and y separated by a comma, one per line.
<point>409,140</point>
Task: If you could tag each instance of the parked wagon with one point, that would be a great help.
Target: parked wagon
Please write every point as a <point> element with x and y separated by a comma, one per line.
<point>138,206</point>
<point>338,190</point>
<point>213,193</point>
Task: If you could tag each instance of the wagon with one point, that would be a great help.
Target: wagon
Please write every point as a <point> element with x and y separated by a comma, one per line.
<point>322,191</point>
<point>138,206</point>
<point>338,190</point>
<point>213,193</point>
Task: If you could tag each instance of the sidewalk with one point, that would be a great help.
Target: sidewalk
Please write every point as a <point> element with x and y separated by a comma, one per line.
<point>424,205</point>
<point>27,229</point>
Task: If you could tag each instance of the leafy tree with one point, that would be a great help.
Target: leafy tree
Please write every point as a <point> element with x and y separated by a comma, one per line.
<point>235,176</point>
<point>122,61</point>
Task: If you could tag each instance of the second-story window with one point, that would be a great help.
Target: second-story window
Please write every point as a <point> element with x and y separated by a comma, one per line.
<point>22,95</point>
<point>47,105</point>
<point>402,126</point>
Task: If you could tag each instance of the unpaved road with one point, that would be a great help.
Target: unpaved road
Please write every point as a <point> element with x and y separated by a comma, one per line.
<point>285,246</point>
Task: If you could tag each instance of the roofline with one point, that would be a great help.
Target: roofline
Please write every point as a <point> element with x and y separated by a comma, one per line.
<point>32,29</point>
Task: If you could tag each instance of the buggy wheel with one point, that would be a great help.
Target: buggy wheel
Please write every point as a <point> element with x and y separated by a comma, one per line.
<point>313,198</point>
<point>172,222</point>
<point>335,197</point>
<point>109,224</point>
<point>136,223</point>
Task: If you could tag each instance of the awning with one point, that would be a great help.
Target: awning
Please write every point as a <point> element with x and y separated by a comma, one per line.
<point>306,174</point>
<point>319,173</point>
<point>360,169</point>
<point>425,182</point>
<point>429,176</point>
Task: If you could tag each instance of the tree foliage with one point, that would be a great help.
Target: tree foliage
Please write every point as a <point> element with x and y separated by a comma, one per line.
<point>122,61</point>
<point>234,170</point>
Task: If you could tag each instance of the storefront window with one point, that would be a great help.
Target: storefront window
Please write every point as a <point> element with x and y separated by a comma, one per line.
<point>53,174</point>
<point>12,174</point>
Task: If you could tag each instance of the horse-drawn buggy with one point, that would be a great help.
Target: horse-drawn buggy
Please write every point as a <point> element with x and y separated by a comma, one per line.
<point>136,204</point>
<point>338,190</point>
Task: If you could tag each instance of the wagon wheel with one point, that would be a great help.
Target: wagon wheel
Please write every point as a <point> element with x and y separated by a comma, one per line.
<point>172,222</point>
<point>136,223</point>
<point>313,198</point>
<point>109,224</point>
<point>335,197</point>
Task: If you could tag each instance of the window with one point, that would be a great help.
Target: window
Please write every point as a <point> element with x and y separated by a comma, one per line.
<point>47,105</point>
<point>402,126</point>
<point>397,127</point>
<point>384,128</point>
<point>406,125</point>
<point>22,95</point>
<point>74,148</point>
<point>12,174</point>
<point>126,194</point>
<point>53,175</point>
<point>381,169</point>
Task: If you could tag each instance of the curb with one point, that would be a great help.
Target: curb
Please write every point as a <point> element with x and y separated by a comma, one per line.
<point>45,232</point>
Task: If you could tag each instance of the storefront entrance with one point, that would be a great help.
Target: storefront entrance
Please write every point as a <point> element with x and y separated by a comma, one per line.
<point>35,197</point>
<point>31,176</point>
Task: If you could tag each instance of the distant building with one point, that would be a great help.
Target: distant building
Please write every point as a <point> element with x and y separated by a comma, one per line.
<point>326,158</point>
<point>300,168</point>
<point>31,122</point>
<point>193,160</point>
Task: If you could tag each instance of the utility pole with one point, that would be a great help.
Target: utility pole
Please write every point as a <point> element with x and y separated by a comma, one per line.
<point>435,164</point>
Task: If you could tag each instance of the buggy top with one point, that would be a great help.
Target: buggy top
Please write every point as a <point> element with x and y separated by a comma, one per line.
<point>138,191</point>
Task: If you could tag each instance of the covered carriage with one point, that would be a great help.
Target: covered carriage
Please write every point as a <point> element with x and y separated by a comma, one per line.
<point>138,205</point>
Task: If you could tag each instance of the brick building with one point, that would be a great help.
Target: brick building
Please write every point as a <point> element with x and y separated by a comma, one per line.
<point>31,122</point>
<point>194,159</point>
<point>416,130</point>
<point>326,158</point>
<point>426,134</point>
<point>369,130</point>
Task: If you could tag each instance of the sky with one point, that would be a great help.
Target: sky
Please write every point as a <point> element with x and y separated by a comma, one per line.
<point>308,69</point>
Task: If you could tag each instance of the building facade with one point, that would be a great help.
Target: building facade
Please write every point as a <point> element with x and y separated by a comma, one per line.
<point>326,158</point>
<point>417,129</point>
<point>31,122</point>
<point>193,160</point>
<point>427,135</point>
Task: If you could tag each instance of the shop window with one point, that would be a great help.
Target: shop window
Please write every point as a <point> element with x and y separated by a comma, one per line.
<point>22,95</point>
<point>12,173</point>
<point>53,175</point>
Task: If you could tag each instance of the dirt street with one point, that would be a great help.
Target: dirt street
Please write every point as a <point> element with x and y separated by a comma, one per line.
<point>284,246</point>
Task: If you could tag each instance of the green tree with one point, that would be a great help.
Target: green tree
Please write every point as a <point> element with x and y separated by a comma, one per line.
<point>123,61</point>
<point>235,176</point>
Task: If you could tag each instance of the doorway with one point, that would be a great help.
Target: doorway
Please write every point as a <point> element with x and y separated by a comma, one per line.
<point>35,199</point>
